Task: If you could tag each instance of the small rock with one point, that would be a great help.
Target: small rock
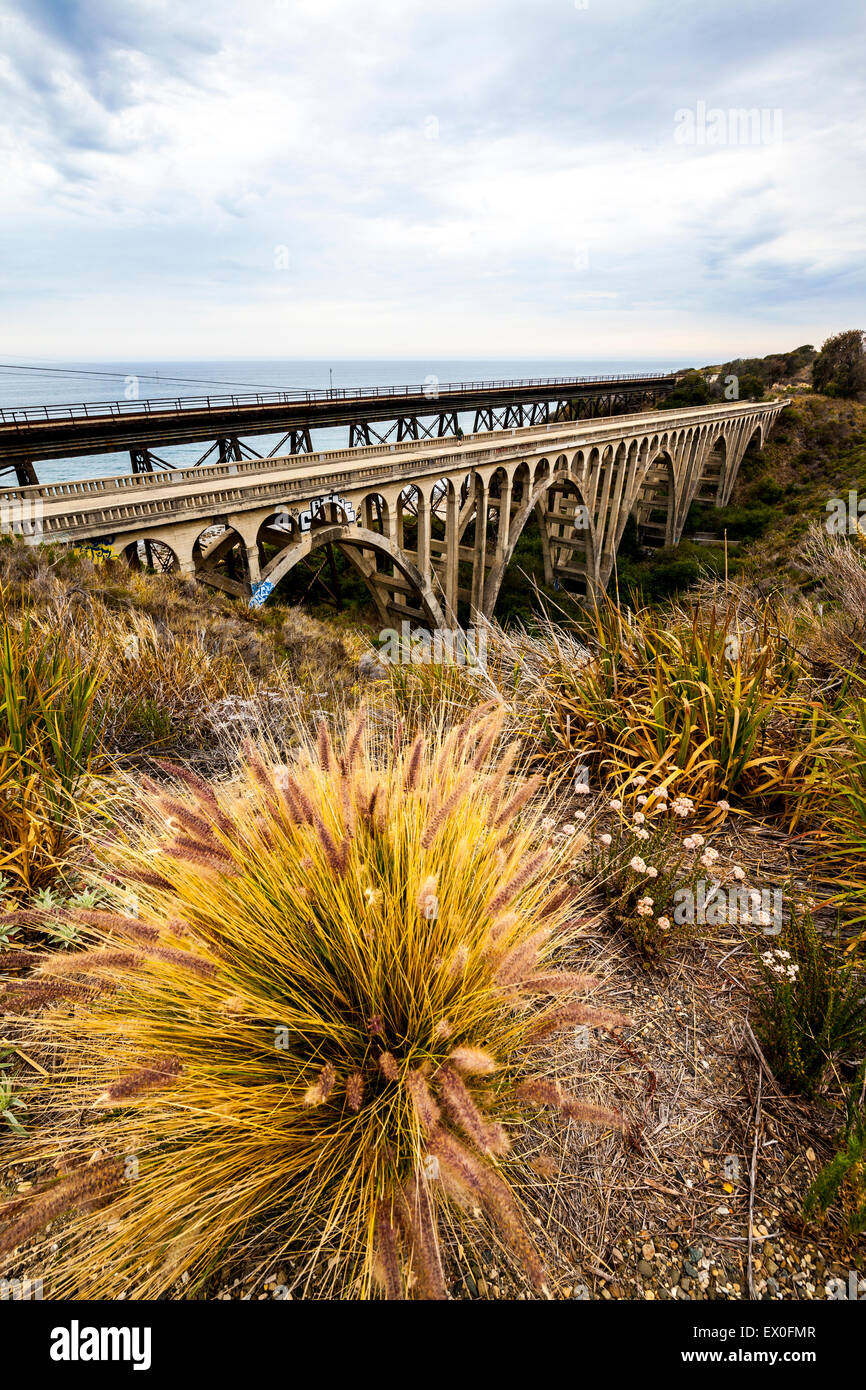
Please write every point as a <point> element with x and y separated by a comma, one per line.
<point>645,1268</point>
<point>371,668</point>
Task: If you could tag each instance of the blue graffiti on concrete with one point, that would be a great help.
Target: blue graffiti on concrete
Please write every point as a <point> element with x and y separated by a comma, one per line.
<point>261,593</point>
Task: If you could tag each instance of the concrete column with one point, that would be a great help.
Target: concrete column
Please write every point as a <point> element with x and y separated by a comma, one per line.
<point>391,524</point>
<point>613,530</point>
<point>423,553</point>
<point>253,565</point>
<point>504,528</point>
<point>541,508</point>
<point>451,556</point>
<point>481,499</point>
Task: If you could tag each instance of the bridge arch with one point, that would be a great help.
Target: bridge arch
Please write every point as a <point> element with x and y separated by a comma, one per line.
<point>219,556</point>
<point>152,553</point>
<point>409,503</point>
<point>758,431</point>
<point>655,508</point>
<point>364,550</point>
<point>277,529</point>
<point>541,471</point>
<point>577,467</point>
<point>534,498</point>
<point>376,513</point>
<point>713,470</point>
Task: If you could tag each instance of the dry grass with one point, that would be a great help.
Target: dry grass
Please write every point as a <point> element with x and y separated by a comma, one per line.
<point>323,1030</point>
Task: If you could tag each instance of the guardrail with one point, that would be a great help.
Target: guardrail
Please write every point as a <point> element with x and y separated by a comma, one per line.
<point>89,410</point>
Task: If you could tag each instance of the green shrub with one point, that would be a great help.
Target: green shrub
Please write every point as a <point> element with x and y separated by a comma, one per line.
<point>810,1001</point>
<point>843,1179</point>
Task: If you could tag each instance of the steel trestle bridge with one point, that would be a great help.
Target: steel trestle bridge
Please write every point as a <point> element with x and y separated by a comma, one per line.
<point>373,414</point>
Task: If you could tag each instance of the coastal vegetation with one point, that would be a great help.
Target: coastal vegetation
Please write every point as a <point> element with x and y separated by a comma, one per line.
<point>322,976</point>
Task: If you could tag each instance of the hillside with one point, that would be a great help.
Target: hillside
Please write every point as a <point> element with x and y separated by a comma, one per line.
<point>816,452</point>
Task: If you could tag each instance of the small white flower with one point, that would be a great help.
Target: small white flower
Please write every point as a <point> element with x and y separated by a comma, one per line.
<point>580,815</point>
<point>651,872</point>
<point>689,842</point>
<point>637,865</point>
<point>723,805</point>
<point>640,781</point>
<point>567,830</point>
<point>581,789</point>
<point>639,817</point>
<point>605,839</point>
<point>616,805</point>
<point>642,800</point>
<point>664,923</point>
<point>739,873</point>
<point>698,840</point>
<point>641,834</point>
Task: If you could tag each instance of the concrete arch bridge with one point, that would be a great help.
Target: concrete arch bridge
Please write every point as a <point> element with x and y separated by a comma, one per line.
<point>429,525</point>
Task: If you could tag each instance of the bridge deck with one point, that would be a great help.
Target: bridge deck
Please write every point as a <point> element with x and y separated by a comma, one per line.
<point>97,506</point>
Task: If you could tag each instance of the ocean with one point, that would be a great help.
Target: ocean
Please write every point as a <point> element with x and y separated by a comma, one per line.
<point>59,383</point>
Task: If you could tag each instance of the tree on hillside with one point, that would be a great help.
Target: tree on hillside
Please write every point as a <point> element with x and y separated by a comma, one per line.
<point>750,387</point>
<point>840,367</point>
<point>794,362</point>
<point>691,389</point>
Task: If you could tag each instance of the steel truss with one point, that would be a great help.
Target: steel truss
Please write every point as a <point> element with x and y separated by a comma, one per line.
<point>441,425</point>
<point>228,449</point>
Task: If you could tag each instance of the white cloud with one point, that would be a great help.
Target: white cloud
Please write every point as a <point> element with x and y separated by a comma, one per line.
<point>485,179</point>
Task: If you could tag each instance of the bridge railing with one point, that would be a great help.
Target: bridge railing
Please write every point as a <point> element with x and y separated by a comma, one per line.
<point>151,405</point>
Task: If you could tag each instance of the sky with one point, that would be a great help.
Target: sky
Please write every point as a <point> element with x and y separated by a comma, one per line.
<point>308,178</point>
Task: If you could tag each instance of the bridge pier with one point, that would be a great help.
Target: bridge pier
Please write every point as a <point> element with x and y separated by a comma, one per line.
<point>479,557</point>
<point>253,565</point>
